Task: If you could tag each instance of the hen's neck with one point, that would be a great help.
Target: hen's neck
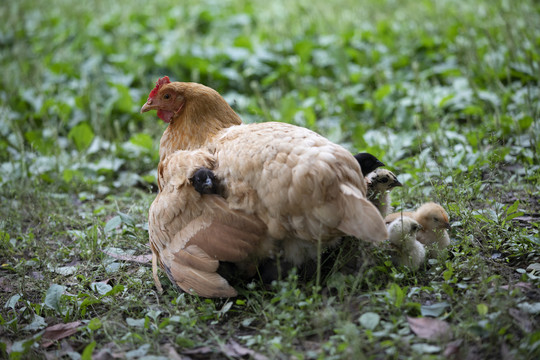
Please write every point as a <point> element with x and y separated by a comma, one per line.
<point>194,129</point>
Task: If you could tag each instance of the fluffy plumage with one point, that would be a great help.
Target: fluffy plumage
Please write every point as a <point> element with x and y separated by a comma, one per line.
<point>302,187</point>
<point>408,251</point>
<point>435,223</point>
<point>368,162</point>
<point>379,184</point>
<point>190,233</point>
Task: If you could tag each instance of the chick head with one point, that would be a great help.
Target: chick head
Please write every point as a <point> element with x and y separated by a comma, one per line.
<point>432,217</point>
<point>382,180</point>
<point>403,230</point>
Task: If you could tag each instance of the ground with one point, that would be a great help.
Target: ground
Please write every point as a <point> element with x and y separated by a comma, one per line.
<point>445,93</point>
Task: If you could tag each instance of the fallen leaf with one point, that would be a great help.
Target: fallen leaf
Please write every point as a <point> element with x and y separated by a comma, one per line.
<point>38,275</point>
<point>5,285</point>
<point>65,349</point>
<point>235,350</point>
<point>142,259</point>
<point>203,350</point>
<point>172,354</point>
<point>527,219</point>
<point>109,351</point>
<point>520,284</point>
<point>59,331</point>
<point>452,348</point>
<point>429,328</point>
<point>522,320</point>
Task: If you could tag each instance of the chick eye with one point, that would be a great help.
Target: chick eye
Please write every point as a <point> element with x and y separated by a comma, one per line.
<point>384,180</point>
<point>435,219</point>
<point>166,96</point>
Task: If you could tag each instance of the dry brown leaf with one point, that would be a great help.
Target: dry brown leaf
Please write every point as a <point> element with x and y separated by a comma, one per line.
<point>430,328</point>
<point>452,348</point>
<point>59,331</point>
<point>235,350</point>
<point>141,259</point>
<point>172,354</point>
<point>200,350</point>
<point>5,285</point>
<point>520,284</point>
<point>522,319</point>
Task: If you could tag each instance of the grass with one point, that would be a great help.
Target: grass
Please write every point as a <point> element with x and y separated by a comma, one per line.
<point>446,93</point>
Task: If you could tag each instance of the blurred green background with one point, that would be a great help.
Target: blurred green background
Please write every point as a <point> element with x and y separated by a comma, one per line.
<point>455,81</point>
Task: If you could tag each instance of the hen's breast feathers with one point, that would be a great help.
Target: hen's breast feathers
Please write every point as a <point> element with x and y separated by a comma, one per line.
<point>296,181</point>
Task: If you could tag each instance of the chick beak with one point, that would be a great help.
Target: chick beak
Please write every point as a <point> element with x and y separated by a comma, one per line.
<point>396,183</point>
<point>448,226</point>
<point>208,183</point>
<point>148,106</point>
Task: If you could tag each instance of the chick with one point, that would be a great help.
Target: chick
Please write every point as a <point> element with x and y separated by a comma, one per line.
<point>379,184</point>
<point>435,223</point>
<point>409,251</point>
<point>204,181</point>
<point>368,162</point>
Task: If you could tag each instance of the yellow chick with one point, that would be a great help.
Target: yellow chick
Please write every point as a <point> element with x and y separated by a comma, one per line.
<point>409,251</point>
<point>435,223</point>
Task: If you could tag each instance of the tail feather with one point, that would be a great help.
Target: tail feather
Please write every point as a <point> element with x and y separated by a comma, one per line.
<point>361,218</point>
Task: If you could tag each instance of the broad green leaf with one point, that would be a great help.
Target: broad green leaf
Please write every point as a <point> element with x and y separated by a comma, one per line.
<point>482,309</point>
<point>94,324</point>
<point>396,294</point>
<point>382,92</point>
<point>425,348</point>
<point>369,320</point>
<point>112,224</point>
<point>101,287</point>
<point>143,140</point>
<point>124,102</point>
<point>434,310</point>
<point>135,322</point>
<point>88,350</point>
<point>82,135</point>
<point>52,298</point>
<point>37,324</point>
<point>115,290</point>
<point>12,301</point>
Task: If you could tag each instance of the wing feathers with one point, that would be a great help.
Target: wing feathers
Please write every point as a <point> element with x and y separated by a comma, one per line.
<point>200,282</point>
<point>361,219</point>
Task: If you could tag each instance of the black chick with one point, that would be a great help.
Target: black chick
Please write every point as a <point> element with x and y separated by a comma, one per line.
<point>368,162</point>
<point>204,181</point>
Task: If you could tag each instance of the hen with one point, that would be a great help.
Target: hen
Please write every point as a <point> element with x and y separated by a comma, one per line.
<point>190,233</point>
<point>303,188</point>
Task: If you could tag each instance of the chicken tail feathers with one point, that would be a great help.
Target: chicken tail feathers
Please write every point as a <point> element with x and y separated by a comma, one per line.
<point>193,271</point>
<point>361,218</point>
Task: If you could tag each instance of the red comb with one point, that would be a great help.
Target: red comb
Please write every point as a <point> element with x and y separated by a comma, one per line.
<point>162,81</point>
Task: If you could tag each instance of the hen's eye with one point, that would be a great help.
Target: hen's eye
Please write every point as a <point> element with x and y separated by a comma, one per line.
<point>166,96</point>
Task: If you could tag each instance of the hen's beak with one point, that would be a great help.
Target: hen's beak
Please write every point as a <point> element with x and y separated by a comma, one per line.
<point>148,106</point>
